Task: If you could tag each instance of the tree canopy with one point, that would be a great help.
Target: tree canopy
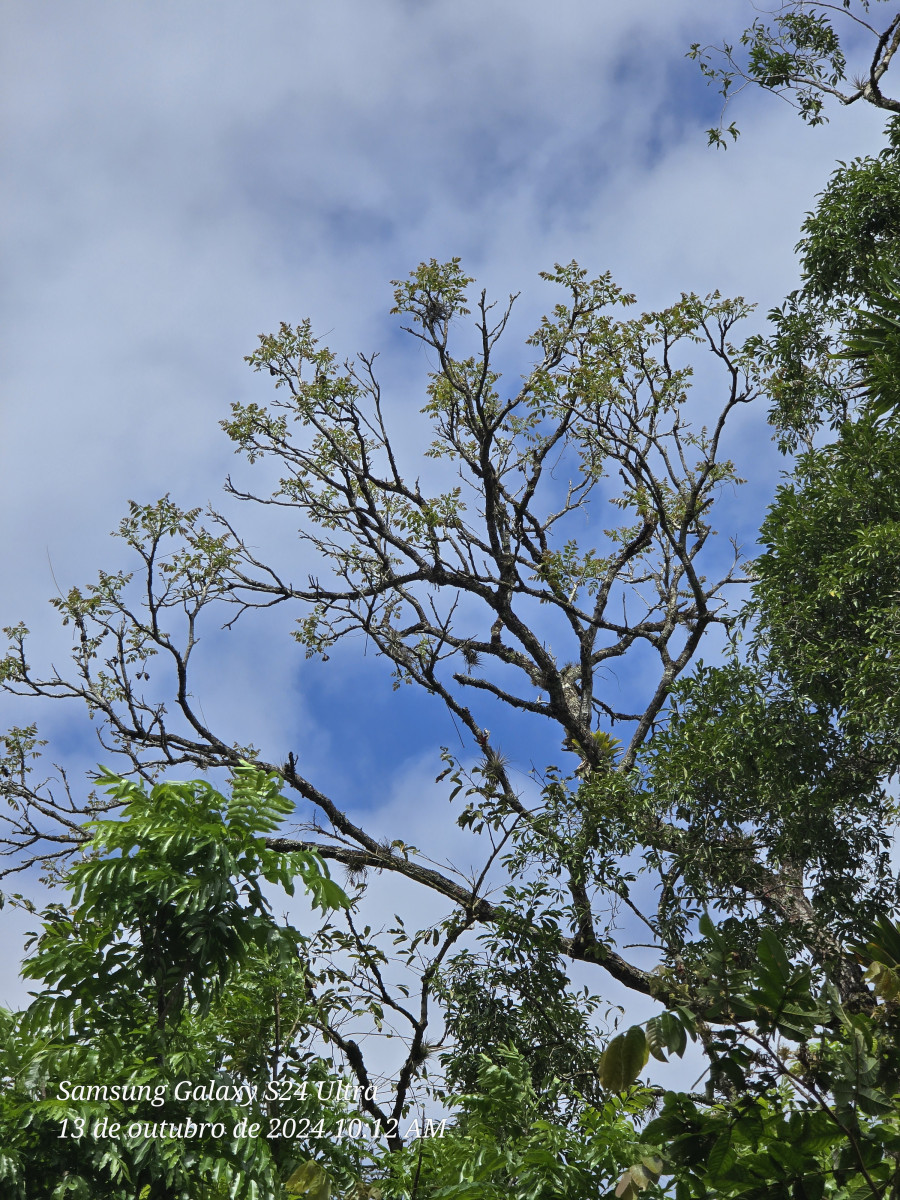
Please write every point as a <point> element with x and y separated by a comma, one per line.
<point>719,843</point>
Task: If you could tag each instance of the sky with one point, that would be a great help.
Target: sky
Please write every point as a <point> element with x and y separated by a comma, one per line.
<point>180,177</point>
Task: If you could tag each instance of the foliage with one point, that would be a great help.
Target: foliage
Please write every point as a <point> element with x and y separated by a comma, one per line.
<point>740,816</point>
<point>801,55</point>
<point>854,232</point>
<point>753,771</point>
<point>827,595</point>
<point>181,868</point>
<point>810,1104</point>
<point>167,966</point>
<point>828,334</point>
<point>519,999</point>
<point>504,1145</point>
<point>874,344</point>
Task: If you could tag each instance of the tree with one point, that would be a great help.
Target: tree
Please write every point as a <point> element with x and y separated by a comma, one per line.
<point>606,398</point>
<point>705,815</point>
<point>741,814</point>
<point>171,997</point>
<point>170,1052</point>
<point>801,55</point>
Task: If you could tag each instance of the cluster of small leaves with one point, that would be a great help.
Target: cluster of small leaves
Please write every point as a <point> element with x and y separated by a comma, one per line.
<point>589,823</point>
<point>799,56</point>
<point>519,996</point>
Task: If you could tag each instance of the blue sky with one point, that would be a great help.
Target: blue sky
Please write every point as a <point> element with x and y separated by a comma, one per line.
<point>179,177</point>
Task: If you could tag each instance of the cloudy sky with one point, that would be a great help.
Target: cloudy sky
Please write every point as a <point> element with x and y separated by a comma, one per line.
<point>181,176</point>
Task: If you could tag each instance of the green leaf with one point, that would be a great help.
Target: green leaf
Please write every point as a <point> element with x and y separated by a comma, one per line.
<point>721,1157</point>
<point>623,1059</point>
<point>666,1035</point>
<point>310,1179</point>
<point>773,956</point>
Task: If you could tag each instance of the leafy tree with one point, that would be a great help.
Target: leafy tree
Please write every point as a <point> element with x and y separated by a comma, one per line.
<point>607,399</point>
<point>741,816</point>
<point>802,52</point>
<point>167,966</point>
<point>714,821</point>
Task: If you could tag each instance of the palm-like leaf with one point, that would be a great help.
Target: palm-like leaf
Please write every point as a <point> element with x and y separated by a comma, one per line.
<point>874,345</point>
